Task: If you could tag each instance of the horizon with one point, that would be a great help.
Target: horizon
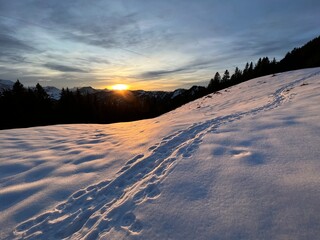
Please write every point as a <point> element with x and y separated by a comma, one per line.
<point>146,45</point>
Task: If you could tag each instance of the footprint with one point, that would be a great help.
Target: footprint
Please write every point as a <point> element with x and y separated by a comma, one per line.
<point>187,151</point>
<point>128,219</point>
<point>240,153</point>
<point>152,191</point>
<point>136,227</point>
<point>162,169</point>
<point>249,158</point>
<point>218,151</point>
<point>152,148</point>
<point>91,221</point>
<point>90,188</point>
<point>104,225</point>
<point>139,197</point>
<point>103,183</point>
<point>78,194</point>
<point>133,160</point>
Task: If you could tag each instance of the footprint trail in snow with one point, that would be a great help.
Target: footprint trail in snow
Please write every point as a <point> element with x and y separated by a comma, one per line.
<point>93,212</point>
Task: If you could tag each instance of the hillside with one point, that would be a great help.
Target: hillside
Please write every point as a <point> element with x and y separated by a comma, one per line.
<point>242,163</point>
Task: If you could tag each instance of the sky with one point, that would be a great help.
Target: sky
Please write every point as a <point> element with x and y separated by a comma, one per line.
<point>147,44</point>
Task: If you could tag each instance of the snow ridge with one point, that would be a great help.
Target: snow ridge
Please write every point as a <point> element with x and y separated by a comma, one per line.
<point>93,212</point>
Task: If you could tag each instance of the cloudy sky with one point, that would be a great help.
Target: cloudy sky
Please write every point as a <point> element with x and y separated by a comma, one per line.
<point>151,45</point>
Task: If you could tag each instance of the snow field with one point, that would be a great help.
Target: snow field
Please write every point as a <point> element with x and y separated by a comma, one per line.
<point>242,164</point>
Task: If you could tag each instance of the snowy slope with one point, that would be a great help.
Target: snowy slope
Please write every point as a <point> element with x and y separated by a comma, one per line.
<point>239,164</point>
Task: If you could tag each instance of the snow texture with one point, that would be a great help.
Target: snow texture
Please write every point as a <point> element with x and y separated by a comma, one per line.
<point>239,164</point>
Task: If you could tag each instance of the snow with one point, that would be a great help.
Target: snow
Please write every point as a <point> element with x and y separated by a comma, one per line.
<point>5,85</point>
<point>84,90</point>
<point>53,92</point>
<point>177,92</point>
<point>239,164</point>
<point>154,94</point>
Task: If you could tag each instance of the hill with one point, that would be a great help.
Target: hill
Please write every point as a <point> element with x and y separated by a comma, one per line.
<point>242,163</point>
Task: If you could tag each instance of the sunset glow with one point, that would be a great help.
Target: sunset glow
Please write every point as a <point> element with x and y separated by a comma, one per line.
<point>120,87</point>
<point>149,45</point>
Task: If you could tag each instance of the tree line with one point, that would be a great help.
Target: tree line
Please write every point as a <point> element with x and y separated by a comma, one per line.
<point>307,56</point>
<point>26,107</point>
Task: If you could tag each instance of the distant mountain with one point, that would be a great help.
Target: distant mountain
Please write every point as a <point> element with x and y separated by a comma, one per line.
<point>53,92</point>
<point>177,93</point>
<point>5,85</point>
<point>84,90</point>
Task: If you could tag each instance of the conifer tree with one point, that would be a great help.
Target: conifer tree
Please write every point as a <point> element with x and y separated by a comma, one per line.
<point>40,92</point>
<point>226,76</point>
<point>18,87</point>
<point>214,83</point>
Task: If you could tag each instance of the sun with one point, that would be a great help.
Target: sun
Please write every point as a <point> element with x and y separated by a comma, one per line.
<point>120,87</point>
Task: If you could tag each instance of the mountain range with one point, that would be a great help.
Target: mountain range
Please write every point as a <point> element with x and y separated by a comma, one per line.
<point>55,93</point>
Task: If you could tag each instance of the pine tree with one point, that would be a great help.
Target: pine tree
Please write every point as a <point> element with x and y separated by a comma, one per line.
<point>18,88</point>
<point>40,92</point>
<point>214,83</point>
<point>237,76</point>
<point>226,76</point>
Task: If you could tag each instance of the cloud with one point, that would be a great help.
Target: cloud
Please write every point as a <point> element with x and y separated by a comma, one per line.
<point>148,40</point>
<point>81,60</point>
<point>254,44</point>
<point>103,24</point>
<point>160,73</point>
<point>63,68</point>
<point>191,67</point>
<point>9,43</point>
<point>98,24</point>
<point>12,49</point>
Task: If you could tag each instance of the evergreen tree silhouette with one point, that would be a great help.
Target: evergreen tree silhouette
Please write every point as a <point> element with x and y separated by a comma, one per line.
<point>226,76</point>
<point>18,88</point>
<point>214,83</point>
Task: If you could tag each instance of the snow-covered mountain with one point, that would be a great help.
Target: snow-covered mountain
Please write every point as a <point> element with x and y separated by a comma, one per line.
<point>84,90</point>
<point>5,85</point>
<point>55,93</point>
<point>239,164</point>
